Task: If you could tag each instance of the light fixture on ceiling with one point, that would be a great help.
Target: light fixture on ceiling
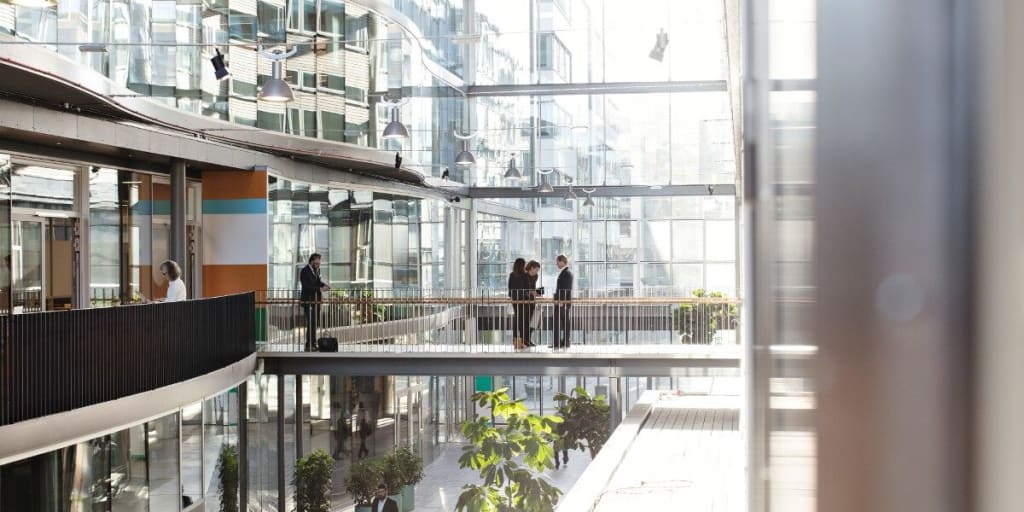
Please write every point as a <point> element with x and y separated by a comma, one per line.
<point>545,187</point>
<point>660,44</point>
<point>590,200</point>
<point>512,173</point>
<point>220,70</point>
<point>465,157</point>
<point>276,89</point>
<point>570,195</point>
<point>395,129</point>
<point>92,48</point>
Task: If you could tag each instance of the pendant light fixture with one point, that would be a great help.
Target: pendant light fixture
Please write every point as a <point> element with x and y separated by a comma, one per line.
<point>276,89</point>
<point>465,157</point>
<point>590,200</point>
<point>395,129</point>
<point>512,173</point>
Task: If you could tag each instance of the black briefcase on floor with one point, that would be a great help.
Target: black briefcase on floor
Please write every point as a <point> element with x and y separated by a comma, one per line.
<point>327,344</point>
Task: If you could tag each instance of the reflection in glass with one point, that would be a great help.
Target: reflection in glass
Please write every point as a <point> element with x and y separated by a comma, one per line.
<point>164,483</point>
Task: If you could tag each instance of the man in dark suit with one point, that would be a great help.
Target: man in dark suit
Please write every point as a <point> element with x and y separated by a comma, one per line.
<point>382,503</point>
<point>311,294</point>
<point>563,296</point>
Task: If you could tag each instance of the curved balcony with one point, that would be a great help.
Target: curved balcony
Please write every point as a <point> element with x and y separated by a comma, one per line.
<point>56,362</point>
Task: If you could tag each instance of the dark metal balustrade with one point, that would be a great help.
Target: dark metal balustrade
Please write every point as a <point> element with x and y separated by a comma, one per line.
<point>59,361</point>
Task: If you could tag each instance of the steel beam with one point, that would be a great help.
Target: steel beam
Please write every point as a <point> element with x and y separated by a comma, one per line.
<point>712,189</point>
<point>597,88</point>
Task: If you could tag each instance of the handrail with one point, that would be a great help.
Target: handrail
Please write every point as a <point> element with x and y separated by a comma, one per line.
<point>485,320</point>
<point>54,362</point>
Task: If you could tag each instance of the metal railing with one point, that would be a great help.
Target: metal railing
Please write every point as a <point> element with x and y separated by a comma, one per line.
<point>433,320</point>
<point>58,361</point>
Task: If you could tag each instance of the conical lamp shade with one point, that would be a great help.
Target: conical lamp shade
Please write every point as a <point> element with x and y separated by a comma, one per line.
<point>588,202</point>
<point>512,172</point>
<point>395,129</point>
<point>465,158</point>
<point>276,90</point>
<point>545,187</point>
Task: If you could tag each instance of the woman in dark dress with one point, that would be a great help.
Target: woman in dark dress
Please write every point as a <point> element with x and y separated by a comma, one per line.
<point>518,286</point>
<point>532,273</point>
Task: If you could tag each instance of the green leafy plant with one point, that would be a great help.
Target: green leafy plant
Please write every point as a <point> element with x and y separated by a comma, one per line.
<point>698,323</point>
<point>362,480</point>
<point>227,474</point>
<point>407,467</point>
<point>586,420</point>
<point>312,481</point>
<point>495,451</point>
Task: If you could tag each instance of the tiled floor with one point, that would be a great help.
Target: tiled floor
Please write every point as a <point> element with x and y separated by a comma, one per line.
<point>688,456</point>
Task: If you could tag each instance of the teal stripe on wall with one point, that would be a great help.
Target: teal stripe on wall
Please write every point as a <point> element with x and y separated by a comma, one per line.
<point>234,206</point>
<point>148,207</point>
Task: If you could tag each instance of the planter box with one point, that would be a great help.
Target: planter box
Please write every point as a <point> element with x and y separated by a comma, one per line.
<point>398,499</point>
<point>408,498</point>
<point>363,508</point>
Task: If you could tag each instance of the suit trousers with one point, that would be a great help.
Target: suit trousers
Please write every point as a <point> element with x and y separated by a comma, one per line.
<point>562,326</point>
<point>312,312</point>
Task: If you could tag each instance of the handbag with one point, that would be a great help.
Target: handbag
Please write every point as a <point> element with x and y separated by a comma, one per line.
<point>535,318</point>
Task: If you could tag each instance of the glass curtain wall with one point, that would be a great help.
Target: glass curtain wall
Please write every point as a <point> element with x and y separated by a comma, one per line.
<point>683,243</point>
<point>133,470</point>
<point>368,240</point>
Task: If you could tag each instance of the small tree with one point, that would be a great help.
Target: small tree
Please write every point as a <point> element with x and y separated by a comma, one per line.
<point>495,450</point>
<point>586,419</point>
<point>698,323</point>
<point>407,465</point>
<point>312,481</point>
<point>362,480</point>
<point>227,473</point>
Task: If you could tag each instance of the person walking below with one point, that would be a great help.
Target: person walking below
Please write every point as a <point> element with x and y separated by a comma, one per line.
<point>532,273</point>
<point>563,298</point>
<point>382,503</point>
<point>310,296</point>
<point>518,287</point>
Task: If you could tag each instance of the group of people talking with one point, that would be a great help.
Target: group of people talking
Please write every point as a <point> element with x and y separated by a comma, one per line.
<point>523,290</point>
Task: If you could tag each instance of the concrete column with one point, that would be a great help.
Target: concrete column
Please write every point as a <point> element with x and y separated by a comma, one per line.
<point>282,483</point>
<point>80,242</point>
<point>243,446</point>
<point>298,417</point>
<point>178,250</point>
<point>615,401</point>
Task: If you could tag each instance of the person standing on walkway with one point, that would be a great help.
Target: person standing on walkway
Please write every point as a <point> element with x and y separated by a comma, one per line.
<point>518,286</point>
<point>310,296</point>
<point>563,298</point>
<point>532,273</point>
<point>365,431</point>
<point>175,286</point>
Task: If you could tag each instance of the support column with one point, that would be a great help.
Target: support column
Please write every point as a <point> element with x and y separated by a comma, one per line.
<point>282,484</point>
<point>298,417</point>
<point>614,401</point>
<point>178,204</point>
<point>243,446</point>
<point>80,241</point>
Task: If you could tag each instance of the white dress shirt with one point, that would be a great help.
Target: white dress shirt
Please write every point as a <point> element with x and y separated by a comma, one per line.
<point>175,291</point>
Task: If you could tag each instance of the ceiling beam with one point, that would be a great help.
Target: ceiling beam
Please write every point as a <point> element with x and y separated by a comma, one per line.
<point>716,189</point>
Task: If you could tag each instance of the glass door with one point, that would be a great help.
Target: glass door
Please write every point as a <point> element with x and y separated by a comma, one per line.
<point>27,269</point>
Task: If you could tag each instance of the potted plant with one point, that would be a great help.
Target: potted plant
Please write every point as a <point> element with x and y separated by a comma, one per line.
<point>510,457</point>
<point>409,467</point>
<point>391,475</point>
<point>361,482</point>
<point>227,473</point>
<point>312,481</point>
<point>586,419</point>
